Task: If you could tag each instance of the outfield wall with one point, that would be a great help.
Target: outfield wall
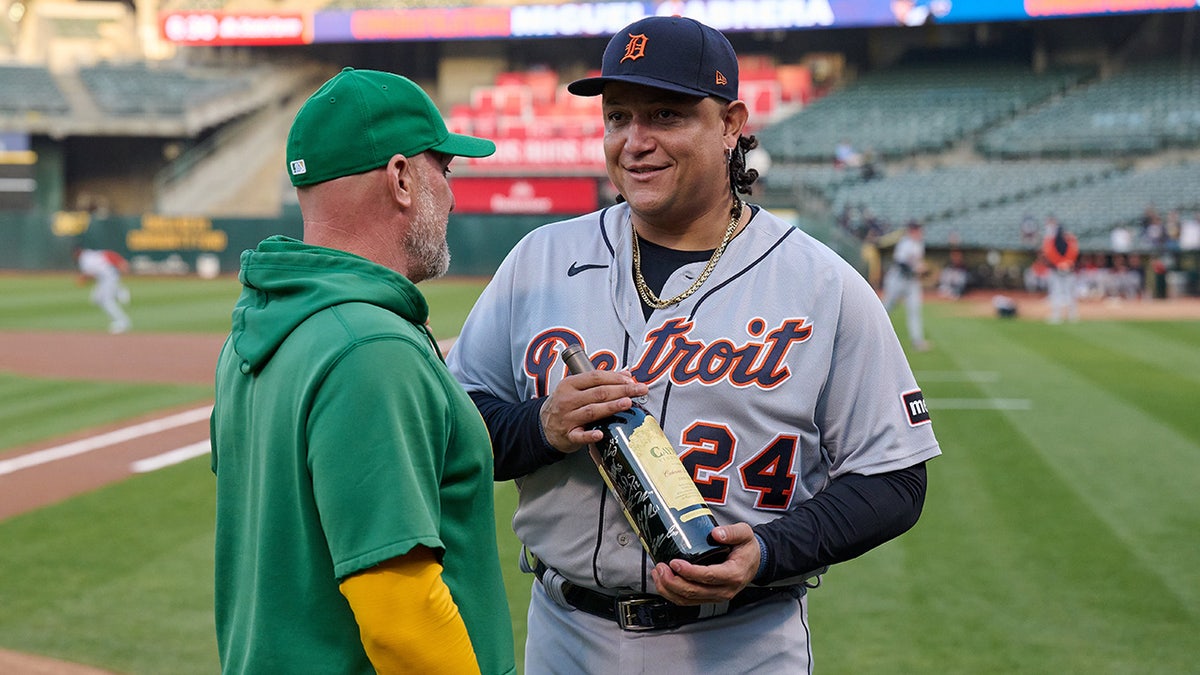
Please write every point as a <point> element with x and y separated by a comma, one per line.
<point>168,245</point>
<point>174,245</point>
<point>157,244</point>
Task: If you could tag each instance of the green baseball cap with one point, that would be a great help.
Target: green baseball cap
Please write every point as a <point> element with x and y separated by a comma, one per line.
<point>358,119</point>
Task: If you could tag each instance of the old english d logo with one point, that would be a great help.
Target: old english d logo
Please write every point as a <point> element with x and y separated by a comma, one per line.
<point>635,48</point>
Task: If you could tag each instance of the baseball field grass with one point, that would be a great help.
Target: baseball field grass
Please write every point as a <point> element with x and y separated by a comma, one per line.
<point>1061,533</point>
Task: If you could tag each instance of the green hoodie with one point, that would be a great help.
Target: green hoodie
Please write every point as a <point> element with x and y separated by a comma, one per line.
<point>339,441</point>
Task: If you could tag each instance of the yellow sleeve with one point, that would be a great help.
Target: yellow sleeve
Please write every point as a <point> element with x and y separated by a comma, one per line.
<point>406,618</point>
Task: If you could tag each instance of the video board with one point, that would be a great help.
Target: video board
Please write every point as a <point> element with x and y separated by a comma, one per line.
<point>479,19</point>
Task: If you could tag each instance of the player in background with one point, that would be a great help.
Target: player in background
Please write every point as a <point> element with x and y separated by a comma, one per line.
<point>903,281</point>
<point>354,526</point>
<point>108,293</point>
<point>1060,248</point>
<point>767,359</point>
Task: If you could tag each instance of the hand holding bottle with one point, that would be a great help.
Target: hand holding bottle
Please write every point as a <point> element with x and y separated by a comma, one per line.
<point>579,401</point>
<point>684,583</point>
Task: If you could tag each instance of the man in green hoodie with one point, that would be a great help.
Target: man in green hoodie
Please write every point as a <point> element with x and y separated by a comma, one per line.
<point>354,527</point>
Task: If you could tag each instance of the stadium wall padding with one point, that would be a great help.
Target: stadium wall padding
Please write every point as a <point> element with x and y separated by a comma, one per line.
<point>43,241</point>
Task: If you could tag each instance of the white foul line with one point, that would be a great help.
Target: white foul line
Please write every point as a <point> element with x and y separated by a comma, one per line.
<point>171,458</point>
<point>103,440</point>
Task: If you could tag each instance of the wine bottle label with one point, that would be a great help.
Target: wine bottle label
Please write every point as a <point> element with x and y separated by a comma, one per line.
<point>654,452</point>
<point>695,513</point>
<point>656,519</point>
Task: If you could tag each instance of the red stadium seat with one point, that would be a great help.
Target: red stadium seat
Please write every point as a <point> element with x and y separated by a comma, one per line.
<point>796,83</point>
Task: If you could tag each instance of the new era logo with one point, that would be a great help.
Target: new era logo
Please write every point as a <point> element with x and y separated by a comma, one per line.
<point>298,168</point>
<point>915,408</point>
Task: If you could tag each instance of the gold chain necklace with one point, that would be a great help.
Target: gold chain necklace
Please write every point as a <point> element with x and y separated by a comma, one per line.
<point>648,296</point>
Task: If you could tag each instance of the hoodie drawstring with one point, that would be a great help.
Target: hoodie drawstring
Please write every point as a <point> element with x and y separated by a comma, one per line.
<point>432,341</point>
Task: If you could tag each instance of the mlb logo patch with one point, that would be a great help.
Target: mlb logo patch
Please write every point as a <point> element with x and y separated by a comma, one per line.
<point>298,167</point>
<point>915,408</point>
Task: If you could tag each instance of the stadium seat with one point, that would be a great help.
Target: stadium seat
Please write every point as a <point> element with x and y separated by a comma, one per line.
<point>139,90</point>
<point>911,109</point>
<point>1139,110</point>
<point>26,89</point>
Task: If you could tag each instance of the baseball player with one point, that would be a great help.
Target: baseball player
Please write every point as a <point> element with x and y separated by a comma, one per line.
<point>108,293</point>
<point>1061,250</point>
<point>903,280</point>
<point>767,359</point>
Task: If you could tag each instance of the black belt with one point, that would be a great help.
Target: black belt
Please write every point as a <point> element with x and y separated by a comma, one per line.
<point>643,611</point>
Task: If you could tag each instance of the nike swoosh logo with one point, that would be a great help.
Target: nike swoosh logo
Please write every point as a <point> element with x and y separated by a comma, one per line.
<point>576,268</point>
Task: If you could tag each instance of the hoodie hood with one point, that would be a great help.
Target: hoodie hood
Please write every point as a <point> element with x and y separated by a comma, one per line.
<point>285,281</point>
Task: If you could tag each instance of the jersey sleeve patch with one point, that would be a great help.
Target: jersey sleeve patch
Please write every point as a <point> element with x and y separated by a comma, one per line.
<point>915,408</point>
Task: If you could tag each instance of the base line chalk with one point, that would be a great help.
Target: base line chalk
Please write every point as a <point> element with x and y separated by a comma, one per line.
<point>85,445</point>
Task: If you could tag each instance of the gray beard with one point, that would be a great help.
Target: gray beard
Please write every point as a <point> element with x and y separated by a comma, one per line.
<point>426,246</point>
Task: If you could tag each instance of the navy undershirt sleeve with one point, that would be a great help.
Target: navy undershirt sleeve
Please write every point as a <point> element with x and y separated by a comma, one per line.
<point>854,514</point>
<point>518,446</point>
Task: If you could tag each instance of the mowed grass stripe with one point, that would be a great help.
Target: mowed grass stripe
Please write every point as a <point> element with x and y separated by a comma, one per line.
<point>58,302</point>
<point>1050,559</point>
<point>927,602</point>
<point>36,409</point>
<point>1008,571</point>
<point>120,577</point>
<point>24,293</point>
<point>58,313</point>
<point>1111,453</point>
<point>185,304</point>
<point>32,399</point>
<point>1165,389</point>
<point>1167,346</point>
<point>28,305</point>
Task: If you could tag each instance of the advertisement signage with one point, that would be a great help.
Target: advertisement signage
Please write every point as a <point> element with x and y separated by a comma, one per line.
<point>413,24</point>
<point>217,28</point>
<point>569,196</point>
<point>17,172</point>
<point>478,19</point>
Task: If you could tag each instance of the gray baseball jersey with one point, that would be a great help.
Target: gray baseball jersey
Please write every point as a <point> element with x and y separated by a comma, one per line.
<point>781,373</point>
<point>905,284</point>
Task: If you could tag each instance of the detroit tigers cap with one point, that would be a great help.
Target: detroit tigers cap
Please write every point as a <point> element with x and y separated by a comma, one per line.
<point>358,119</point>
<point>668,52</point>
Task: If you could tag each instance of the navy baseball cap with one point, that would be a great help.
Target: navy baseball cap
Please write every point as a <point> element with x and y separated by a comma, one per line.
<point>667,52</point>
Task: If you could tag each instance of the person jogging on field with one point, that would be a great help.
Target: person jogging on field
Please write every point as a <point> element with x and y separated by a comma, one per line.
<point>105,267</point>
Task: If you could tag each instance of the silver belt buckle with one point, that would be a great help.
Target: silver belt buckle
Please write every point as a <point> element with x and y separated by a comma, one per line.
<point>627,612</point>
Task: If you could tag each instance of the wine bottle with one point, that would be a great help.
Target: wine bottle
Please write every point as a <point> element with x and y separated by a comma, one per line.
<point>656,492</point>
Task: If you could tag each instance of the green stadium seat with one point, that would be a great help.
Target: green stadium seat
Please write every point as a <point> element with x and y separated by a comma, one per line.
<point>1140,110</point>
<point>30,89</point>
<point>912,109</point>
<point>139,90</point>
